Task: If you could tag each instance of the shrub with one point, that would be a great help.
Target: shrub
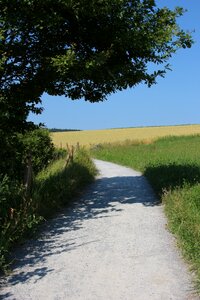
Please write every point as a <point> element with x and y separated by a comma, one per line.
<point>37,143</point>
<point>17,146</point>
<point>18,211</point>
<point>10,152</point>
<point>17,215</point>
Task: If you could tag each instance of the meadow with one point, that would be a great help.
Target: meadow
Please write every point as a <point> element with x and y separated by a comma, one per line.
<point>94,137</point>
<point>172,166</point>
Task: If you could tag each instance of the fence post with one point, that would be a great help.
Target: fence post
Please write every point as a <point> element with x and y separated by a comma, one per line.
<point>28,175</point>
<point>70,155</point>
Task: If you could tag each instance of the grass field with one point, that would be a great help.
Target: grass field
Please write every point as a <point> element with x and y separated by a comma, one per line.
<point>93,137</point>
<point>172,166</point>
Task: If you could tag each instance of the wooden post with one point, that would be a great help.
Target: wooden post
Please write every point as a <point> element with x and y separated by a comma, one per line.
<point>70,155</point>
<point>28,176</point>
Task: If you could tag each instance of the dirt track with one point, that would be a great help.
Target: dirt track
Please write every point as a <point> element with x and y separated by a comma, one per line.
<point>112,244</point>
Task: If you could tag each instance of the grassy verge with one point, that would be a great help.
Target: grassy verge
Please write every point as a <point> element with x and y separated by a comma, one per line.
<point>172,166</point>
<point>54,187</point>
<point>57,185</point>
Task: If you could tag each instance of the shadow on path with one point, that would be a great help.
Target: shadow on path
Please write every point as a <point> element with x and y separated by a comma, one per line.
<point>103,199</point>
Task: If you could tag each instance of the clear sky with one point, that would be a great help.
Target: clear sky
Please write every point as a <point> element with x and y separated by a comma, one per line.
<point>173,100</point>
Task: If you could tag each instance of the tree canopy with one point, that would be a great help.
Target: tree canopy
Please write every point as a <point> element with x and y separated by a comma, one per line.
<point>81,49</point>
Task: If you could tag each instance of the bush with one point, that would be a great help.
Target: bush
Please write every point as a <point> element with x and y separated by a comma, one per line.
<point>38,144</point>
<point>17,215</point>
<point>10,196</point>
<point>18,211</point>
<point>10,152</point>
<point>17,146</point>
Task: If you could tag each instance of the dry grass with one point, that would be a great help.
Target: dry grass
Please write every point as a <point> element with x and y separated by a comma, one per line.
<point>146,134</point>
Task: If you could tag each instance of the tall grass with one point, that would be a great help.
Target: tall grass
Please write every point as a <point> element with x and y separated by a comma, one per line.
<point>172,166</point>
<point>57,185</point>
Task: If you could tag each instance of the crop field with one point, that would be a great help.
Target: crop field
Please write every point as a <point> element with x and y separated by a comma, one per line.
<point>146,134</point>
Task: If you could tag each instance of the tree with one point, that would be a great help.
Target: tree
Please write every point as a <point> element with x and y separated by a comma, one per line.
<point>80,49</point>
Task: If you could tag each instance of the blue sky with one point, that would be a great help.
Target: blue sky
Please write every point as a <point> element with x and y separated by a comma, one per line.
<point>173,100</point>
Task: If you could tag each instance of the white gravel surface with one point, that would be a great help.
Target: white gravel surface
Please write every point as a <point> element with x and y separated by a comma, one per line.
<point>111,244</point>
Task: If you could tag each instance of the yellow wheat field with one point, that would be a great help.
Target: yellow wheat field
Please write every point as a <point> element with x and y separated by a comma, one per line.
<point>147,134</point>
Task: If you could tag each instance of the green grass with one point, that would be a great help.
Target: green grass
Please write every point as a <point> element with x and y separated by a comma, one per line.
<point>172,166</point>
<point>57,185</point>
<point>182,207</point>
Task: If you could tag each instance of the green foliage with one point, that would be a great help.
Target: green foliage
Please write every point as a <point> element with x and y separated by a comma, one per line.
<point>59,153</point>
<point>56,185</point>
<point>17,216</point>
<point>17,210</point>
<point>81,49</point>
<point>38,144</point>
<point>172,166</point>
<point>17,146</point>
<point>182,206</point>
<point>9,152</point>
<point>10,196</point>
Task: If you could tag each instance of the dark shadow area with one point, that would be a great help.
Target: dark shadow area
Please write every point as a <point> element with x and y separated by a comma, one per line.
<point>103,199</point>
<point>172,176</point>
<point>5,296</point>
<point>37,273</point>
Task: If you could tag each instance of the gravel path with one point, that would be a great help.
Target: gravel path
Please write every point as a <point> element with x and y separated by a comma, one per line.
<point>111,244</point>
